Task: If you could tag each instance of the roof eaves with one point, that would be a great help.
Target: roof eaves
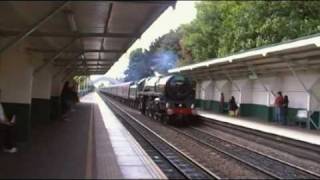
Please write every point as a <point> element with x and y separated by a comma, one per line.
<point>299,42</point>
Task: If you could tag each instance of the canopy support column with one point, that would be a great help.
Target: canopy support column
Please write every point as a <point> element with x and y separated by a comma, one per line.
<point>233,84</point>
<point>308,91</point>
<point>231,80</point>
<point>214,80</point>
<point>252,70</point>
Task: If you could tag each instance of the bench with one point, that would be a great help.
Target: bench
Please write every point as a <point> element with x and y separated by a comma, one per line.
<point>301,117</point>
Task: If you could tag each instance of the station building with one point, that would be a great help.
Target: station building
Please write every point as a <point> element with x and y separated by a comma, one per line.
<point>255,76</point>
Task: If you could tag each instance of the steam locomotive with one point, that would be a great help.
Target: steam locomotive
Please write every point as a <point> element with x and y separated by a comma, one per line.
<point>167,98</point>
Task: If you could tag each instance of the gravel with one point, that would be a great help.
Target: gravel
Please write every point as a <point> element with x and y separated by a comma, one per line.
<point>265,146</point>
<point>220,164</point>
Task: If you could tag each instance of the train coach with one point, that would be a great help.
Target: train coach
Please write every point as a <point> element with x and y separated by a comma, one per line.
<point>118,91</point>
<point>166,98</point>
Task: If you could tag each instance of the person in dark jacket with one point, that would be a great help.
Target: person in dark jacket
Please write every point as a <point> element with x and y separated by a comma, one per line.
<point>278,104</point>
<point>285,109</point>
<point>221,102</point>
<point>75,93</point>
<point>66,98</point>
<point>233,107</point>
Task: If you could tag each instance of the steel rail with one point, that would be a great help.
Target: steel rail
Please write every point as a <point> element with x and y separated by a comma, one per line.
<point>258,155</point>
<point>268,136</point>
<point>133,119</point>
<point>226,153</point>
<point>263,154</point>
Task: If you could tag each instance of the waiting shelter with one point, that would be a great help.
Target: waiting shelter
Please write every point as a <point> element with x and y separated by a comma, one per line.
<point>254,77</point>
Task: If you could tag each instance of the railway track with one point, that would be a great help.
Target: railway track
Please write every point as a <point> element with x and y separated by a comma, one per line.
<point>174,163</point>
<point>296,148</point>
<point>261,162</point>
<point>255,160</point>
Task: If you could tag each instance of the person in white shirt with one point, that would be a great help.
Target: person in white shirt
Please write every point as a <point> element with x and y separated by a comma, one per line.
<point>7,126</point>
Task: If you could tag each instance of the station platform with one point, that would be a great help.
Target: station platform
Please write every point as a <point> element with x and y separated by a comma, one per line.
<point>114,144</point>
<point>292,132</point>
<point>91,144</point>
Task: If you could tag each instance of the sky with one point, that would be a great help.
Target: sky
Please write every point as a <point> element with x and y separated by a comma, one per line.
<point>170,20</point>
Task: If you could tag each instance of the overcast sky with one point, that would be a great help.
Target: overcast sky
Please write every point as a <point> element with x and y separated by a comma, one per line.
<point>170,19</point>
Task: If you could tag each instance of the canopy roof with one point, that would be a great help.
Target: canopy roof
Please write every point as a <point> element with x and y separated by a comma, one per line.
<point>79,37</point>
<point>302,54</point>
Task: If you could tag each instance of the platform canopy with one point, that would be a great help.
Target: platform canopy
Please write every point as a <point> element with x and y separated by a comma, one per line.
<point>302,54</point>
<point>78,37</point>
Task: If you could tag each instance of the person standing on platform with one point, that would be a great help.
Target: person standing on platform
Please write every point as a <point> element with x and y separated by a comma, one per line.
<point>75,92</point>
<point>73,96</point>
<point>278,104</point>
<point>66,98</point>
<point>7,126</point>
<point>221,102</point>
<point>233,107</point>
<point>285,109</point>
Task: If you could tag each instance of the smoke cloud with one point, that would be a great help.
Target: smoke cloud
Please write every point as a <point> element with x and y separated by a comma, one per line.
<point>162,61</point>
<point>144,63</point>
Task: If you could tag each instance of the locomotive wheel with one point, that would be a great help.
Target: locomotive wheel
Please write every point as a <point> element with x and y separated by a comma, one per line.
<point>165,119</point>
<point>154,116</point>
<point>142,110</point>
<point>161,118</point>
<point>183,123</point>
<point>158,116</point>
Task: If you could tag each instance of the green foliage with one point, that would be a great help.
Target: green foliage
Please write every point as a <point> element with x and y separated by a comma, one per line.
<point>139,65</point>
<point>167,42</point>
<point>101,85</point>
<point>80,80</point>
<point>166,50</point>
<point>225,27</point>
<point>162,55</point>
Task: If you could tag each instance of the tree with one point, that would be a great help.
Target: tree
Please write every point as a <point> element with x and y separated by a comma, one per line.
<point>165,51</point>
<point>139,65</point>
<point>201,35</point>
<point>101,85</point>
<point>167,42</point>
<point>225,27</point>
<point>163,54</point>
<point>80,80</point>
